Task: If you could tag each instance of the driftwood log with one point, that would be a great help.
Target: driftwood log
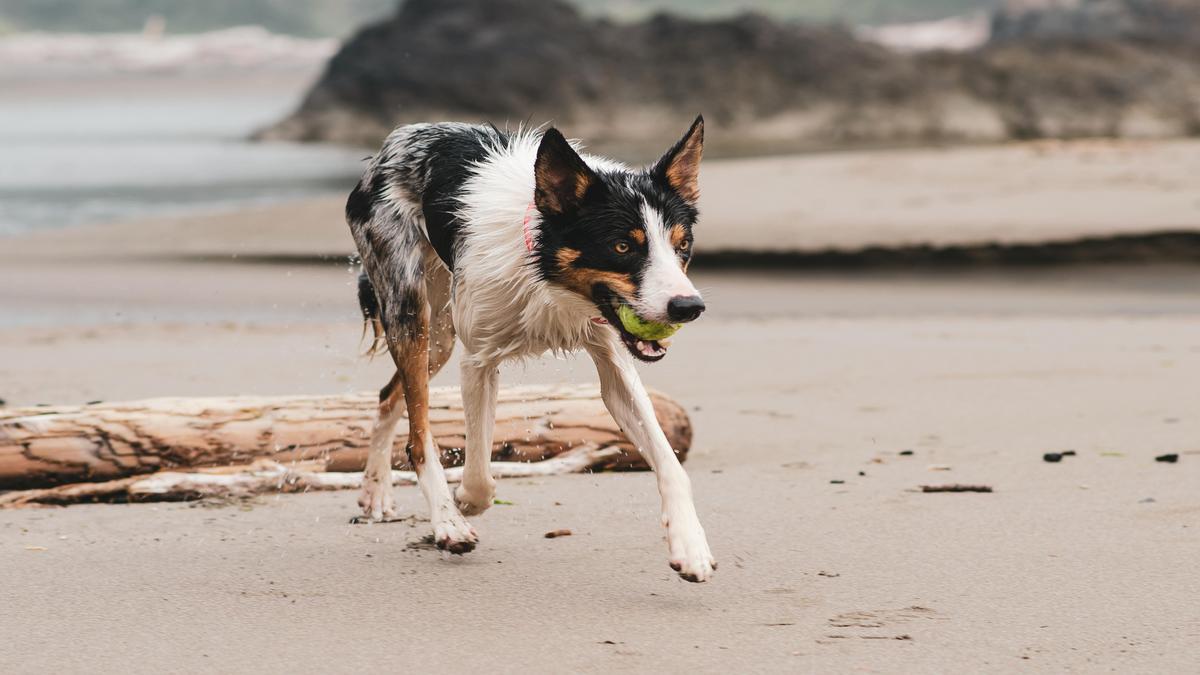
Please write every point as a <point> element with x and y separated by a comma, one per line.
<point>48,446</point>
<point>264,475</point>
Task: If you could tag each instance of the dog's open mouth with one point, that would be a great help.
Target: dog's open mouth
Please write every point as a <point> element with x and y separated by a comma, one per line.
<point>642,349</point>
<point>645,350</point>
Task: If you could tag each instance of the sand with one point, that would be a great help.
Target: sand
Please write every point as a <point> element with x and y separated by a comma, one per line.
<point>1025,193</point>
<point>794,382</point>
<point>1011,194</point>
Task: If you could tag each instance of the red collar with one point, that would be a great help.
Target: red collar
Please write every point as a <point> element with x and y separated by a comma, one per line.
<point>525,228</point>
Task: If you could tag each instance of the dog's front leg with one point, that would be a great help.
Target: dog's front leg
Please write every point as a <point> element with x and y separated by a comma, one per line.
<point>479,390</point>
<point>627,400</point>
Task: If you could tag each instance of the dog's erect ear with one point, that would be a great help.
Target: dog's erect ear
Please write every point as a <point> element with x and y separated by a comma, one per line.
<point>561,178</point>
<point>680,167</point>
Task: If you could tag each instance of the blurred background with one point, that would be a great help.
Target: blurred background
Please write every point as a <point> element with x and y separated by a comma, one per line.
<point>176,169</point>
<point>119,109</point>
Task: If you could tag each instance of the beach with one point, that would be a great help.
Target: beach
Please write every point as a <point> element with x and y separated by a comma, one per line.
<point>84,140</point>
<point>822,399</point>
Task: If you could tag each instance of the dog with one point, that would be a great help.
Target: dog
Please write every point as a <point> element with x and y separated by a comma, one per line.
<point>520,245</point>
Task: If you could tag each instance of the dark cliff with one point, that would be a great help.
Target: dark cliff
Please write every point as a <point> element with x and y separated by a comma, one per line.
<point>762,84</point>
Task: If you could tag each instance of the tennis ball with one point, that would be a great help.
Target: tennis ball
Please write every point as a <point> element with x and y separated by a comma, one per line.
<point>646,330</point>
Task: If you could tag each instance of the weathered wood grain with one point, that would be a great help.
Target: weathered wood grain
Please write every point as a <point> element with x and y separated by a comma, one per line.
<point>47,446</point>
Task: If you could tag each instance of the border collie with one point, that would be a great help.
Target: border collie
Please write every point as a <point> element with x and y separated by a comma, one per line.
<point>520,245</point>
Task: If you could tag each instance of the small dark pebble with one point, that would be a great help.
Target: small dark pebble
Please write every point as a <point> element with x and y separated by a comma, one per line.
<point>837,482</point>
<point>862,473</point>
<point>906,453</point>
<point>96,402</point>
<point>1068,453</point>
<point>1052,457</point>
<point>1170,459</point>
<point>3,402</point>
<point>555,534</point>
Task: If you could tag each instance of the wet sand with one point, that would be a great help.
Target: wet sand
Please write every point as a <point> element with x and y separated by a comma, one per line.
<point>794,381</point>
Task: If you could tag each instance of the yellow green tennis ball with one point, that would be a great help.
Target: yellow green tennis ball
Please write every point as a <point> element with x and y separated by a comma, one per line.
<point>646,330</point>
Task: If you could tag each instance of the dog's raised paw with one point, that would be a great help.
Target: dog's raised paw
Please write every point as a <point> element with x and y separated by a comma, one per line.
<point>697,572</point>
<point>689,553</point>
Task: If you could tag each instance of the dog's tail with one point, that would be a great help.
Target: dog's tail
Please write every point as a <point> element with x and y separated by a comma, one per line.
<point>368,302</point>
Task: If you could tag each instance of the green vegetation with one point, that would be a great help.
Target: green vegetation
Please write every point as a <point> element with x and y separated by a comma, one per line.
<point>340,17</point>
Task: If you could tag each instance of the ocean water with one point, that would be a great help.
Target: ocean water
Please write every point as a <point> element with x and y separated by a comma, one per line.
<point>76,152</point>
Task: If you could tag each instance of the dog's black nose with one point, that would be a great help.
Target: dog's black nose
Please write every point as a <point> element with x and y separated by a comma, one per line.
<point>684,308</point>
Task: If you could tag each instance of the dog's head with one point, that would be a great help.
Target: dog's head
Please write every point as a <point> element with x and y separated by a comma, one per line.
<point>621,237</point>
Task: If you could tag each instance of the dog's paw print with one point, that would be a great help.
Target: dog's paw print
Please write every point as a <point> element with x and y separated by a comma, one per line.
<point>879,624</point>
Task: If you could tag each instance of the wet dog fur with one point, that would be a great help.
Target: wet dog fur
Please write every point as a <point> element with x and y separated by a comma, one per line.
<point>517,244</point>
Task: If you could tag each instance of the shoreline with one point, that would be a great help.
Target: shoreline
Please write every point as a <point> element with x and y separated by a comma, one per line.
<point>1046,203</point>
<point>1151,248</point>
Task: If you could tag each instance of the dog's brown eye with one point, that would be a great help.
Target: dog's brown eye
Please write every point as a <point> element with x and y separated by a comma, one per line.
<point>621,247</point>
<point>685,245</point>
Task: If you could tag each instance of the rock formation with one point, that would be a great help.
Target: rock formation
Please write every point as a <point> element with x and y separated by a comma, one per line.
<point>763,85</point>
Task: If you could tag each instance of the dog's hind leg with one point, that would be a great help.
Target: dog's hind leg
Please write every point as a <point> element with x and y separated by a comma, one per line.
<point>410,349</point>
<point>407,293</point>
<point>407,318</point>
<point>376,497</point>
<point>408,324</point>
<point>438,284</point>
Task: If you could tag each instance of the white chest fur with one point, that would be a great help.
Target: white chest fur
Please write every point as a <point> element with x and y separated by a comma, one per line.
<point>502,309</point>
